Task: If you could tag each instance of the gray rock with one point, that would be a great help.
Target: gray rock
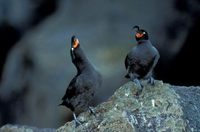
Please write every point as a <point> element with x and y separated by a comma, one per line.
<point>158,108</point>
<point>190,102</point>
<point>17,128</point>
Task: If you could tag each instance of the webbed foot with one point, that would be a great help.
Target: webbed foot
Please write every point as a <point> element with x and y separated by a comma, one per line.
<point>76,120</point>
<point>139,85</point>
<point>91,110</point>
<point>151,81</point>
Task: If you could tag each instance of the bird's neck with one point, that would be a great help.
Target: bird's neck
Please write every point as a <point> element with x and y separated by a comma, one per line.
<point>143,41</point>
<point>81,61</point>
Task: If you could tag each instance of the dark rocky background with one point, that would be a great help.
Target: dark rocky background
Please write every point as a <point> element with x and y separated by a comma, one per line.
<point>35,66</point>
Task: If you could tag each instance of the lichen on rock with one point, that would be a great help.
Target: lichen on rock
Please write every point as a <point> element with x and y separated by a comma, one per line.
<point>156,108</point>
<point>20,128</point>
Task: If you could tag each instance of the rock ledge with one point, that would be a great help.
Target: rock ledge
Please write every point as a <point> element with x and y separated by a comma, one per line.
<point>158,108</point>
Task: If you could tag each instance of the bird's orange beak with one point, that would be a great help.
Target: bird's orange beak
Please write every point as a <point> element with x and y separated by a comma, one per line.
<point>139,35</point>
<point>75,43</point>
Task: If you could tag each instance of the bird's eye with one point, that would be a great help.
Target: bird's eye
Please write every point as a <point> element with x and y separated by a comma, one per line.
<point>144,33</point>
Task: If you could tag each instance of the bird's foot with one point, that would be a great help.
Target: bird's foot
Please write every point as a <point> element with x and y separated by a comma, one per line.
<point>91,110</point>
<point>151,81</point>
<point>140,87</point>
<point>137,82</point>
<point>77,122</point>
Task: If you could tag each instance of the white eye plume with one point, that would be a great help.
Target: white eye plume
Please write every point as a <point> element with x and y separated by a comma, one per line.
<point>144,33</point>
<point>72,49</point>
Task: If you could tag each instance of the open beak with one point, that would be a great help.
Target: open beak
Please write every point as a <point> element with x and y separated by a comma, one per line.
<point>139,35</point>
<point>74,42</point>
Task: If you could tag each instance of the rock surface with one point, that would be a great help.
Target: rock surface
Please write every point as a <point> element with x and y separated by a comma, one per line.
<point>190,102</point>
<point>17,128</point>
<point>162,107</point>
<point>157,108</point>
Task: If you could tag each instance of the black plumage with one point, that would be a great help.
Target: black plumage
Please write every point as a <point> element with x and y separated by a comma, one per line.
<point>142,59</point>
<point>83,86</point>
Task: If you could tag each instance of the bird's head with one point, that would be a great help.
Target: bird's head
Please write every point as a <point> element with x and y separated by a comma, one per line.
<point>141,34</point>
<point>74,42</point>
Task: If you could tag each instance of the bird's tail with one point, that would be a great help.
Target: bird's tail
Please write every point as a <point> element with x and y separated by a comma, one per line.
<point>68,105</point>
<point>63,103</point>
<point>127,76</point>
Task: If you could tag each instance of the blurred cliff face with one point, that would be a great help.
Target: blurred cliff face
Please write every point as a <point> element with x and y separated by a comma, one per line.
<point>35,41</point>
